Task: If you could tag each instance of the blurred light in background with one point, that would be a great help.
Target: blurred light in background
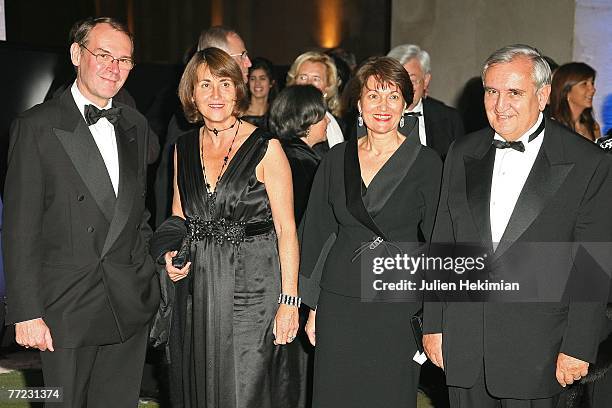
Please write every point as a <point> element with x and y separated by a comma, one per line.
<point>130,16</point>
<point>216,13</point>
<point>329,14</point>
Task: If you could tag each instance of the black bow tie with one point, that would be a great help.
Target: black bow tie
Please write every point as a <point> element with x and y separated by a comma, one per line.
<point>417,114</point>
<point>93,114</point>
<point>518,146</point>
<point>502,144</point>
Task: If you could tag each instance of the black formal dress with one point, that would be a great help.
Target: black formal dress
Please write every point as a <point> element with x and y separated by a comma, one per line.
<point>303,161</point>
<point>364,349</point>
<point>221,341</point>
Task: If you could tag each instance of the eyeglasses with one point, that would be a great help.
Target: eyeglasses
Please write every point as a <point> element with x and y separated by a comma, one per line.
<point>415,80</point>
<point>107,59</point>
<point>243,55</point>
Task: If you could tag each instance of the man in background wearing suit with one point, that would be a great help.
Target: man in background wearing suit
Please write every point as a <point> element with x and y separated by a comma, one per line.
<point>525,180</point>
<point>81,286</point>
<point>439,125</point>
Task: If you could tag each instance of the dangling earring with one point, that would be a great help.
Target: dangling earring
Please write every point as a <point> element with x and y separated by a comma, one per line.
<point>307,132</point>
<point>402,121</point>
<point>360,120</point>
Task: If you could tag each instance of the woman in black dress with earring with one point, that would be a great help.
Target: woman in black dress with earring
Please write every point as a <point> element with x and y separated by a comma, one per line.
<point>379,189</point>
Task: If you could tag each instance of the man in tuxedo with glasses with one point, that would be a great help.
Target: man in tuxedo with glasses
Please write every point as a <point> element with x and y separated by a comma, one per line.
<point>81,286</point>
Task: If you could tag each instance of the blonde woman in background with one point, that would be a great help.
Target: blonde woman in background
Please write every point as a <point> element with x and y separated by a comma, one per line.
<point>317,69</point>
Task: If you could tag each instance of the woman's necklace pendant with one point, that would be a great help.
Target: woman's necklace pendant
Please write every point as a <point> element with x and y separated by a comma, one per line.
<point>210,202</point>
<point>211,197</point>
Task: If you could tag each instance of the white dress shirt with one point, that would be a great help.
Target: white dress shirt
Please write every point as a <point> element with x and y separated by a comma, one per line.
<point>334,133</point>
<point>419,108</point>
<point>104,135</point>
<point>510,173</point>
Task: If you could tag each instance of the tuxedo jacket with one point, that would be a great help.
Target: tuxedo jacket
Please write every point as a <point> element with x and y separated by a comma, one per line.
<point>76,254</point>
<point>443,125</point>
<point>561,202</point>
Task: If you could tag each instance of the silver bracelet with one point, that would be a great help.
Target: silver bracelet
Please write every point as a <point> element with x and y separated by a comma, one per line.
<point>289,300</point>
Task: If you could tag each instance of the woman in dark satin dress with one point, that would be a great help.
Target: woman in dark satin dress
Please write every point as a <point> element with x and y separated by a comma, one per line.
<point>233,210</point>
<point>380,190</point>
<point>297,118</point>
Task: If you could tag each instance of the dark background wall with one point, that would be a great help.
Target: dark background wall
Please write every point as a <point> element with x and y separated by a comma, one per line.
<point>277,29</point>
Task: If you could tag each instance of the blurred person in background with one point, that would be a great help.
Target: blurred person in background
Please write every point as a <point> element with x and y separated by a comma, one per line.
<point>571,99</point>
<point>298,118</point>
<point>262,91</point>
<point>317,69</point>
<point>439,124</point>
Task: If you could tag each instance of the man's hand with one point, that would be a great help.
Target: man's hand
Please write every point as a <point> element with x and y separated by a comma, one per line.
<point>175,274</point>
<point>432,343</point>
<point>570,369</point>
<point>34,333</point>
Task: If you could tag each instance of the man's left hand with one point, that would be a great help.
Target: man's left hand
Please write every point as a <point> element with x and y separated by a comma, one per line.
<point>570,369</point>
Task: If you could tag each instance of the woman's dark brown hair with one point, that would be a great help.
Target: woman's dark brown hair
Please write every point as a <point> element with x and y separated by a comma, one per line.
<point>564,78</point>
<point>385,70</point>
<point>221,65</point>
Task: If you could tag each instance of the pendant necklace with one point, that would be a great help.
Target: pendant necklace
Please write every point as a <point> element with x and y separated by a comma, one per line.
<point>211,196</point>
<point>217,131</point>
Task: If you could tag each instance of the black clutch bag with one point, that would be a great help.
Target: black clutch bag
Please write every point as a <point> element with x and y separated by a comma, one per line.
<point>182,256</point>
<point>416,322</point>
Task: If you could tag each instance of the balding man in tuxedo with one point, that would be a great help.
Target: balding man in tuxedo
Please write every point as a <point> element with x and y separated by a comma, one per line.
<point>81,285</point>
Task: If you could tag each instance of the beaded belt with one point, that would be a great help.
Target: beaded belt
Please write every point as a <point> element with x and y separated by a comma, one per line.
<point>222,230</point>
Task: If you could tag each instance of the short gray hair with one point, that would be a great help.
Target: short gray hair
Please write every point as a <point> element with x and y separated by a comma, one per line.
<point>405,52</point>
<point>540,74</point>
<point>215,37</point>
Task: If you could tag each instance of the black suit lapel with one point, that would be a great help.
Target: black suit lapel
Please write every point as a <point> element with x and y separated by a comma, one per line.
<point>352,189</point>
<point>546,176</point>
<point>127,148</point>
<point>393,172</point>
<point>78,142</point>
<point>478,175</point>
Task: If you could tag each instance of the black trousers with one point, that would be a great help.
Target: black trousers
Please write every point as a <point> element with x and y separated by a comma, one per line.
<point>97,376</point>
<point>479,397</point>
